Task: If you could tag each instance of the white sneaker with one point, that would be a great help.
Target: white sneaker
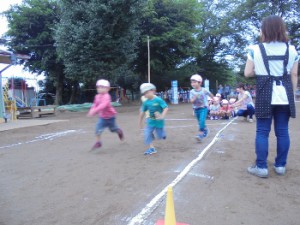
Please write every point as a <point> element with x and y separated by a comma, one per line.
<point>259,172</point>
<point>280,170</point>
<point>250,120</point>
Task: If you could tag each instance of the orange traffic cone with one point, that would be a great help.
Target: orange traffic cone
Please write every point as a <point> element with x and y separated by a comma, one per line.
<point>170,218</point>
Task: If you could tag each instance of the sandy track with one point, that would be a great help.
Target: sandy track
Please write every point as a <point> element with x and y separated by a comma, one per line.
<point>59,181</point>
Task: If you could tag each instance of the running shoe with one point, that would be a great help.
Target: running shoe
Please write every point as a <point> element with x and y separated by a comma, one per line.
<point>250,120</point>
<point>205,132</point>
<point>98,144</point>
<point>150,151</point>
<point>120,134</point>
<point>199,138</point>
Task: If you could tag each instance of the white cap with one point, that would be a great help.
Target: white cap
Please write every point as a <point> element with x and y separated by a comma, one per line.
<point>218,95</point>
<point>146,87</point>
<point>216,99</point>
<point>102,82</point>
<point>224,101</point>
<point>196,77</point>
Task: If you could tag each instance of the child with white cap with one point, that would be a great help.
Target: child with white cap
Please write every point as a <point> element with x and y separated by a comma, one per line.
<point>198,97</point>
<point>107,114</point>
<point>157,109</point>
<point>215,109</point>
<point>226,109</point>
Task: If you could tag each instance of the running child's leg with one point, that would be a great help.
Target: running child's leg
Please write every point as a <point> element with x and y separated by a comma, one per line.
<point>100,126</point>
<point>148,135</point>
<point>114,128</point>
<point>203,128</point>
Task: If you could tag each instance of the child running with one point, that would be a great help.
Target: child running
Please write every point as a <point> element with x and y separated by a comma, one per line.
<point>198,97</point>
<point>157,109</point>
<point>102,106</point>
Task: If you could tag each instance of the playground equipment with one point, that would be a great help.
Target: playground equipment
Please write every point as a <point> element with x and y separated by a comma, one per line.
<point>9,58</point>
<point>170,218</point>
<point>22,102</point>
<point>9,105</point>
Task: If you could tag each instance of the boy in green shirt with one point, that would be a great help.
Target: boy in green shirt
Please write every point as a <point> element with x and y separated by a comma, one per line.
<point>157,109</point>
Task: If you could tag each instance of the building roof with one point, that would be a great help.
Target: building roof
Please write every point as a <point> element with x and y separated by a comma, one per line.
<point>6,56</point>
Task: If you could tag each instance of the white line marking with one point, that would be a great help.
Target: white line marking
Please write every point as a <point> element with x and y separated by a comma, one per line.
<point>152,205</point>
<point>201,176</point>
<point>44,137</point>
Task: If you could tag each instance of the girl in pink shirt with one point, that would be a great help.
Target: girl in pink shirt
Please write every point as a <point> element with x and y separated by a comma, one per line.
<point>102,106</point>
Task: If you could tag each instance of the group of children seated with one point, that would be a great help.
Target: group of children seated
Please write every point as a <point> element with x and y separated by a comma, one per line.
<point>221,108</point>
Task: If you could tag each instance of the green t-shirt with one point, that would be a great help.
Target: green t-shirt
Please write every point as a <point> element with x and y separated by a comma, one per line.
<point>154,105</point>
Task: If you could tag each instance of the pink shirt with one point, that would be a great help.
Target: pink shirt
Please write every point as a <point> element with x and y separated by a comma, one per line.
<point>102,106</point>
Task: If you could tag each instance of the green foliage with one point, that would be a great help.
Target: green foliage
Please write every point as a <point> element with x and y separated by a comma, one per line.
<point>30,31</point>
<point>97,38</point>
<point>171,26</point>
<point>108,39</point>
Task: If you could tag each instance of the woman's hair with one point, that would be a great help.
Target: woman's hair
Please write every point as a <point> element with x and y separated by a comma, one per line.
<point>273,29</point>
<point>241,86</point>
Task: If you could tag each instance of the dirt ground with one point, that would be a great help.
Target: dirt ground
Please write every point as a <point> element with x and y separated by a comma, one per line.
<point>49,176</point>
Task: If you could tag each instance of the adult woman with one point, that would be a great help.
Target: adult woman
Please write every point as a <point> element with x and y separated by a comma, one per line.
<point>275,64</point>
<point>245,103</point>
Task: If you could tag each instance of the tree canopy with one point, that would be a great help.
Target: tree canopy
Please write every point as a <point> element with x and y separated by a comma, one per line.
<point>97,38</point>
<point>30,31</point>
<point>88,39</point>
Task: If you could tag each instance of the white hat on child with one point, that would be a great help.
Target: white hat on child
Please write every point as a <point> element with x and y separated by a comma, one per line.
<point>103,83</point>
<point>216,99</point>
<point>218,95</point>
<point>196,77</point>
<point>146,87</point>
<point>224,101</point>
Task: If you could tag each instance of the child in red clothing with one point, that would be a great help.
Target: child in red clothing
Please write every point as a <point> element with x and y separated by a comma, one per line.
<point>102,106</point>
<point>226,109</point>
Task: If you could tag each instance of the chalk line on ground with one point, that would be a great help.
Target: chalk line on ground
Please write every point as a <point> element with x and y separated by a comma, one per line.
<point>44,137</point>
<point>152,205</point>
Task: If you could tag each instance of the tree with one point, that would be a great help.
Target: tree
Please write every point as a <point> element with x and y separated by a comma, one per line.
<point>30,31</point>
<point>97,38</point>
<point>171,26</point>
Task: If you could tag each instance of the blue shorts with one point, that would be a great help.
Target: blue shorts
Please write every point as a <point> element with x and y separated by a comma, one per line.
<point>103,123</point>
<point>148,134</point>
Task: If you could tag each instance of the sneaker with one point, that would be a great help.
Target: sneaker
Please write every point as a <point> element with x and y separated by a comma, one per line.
<point>97,145</point>
<point>150,151</point>
<point>280,170</point>
<point>120,134</point>
<point>216,118</point>
<point>206,132</point>
<point>199,138</point>
<point>211,118</point>
<point>259,172</point>
<point>250,120</point>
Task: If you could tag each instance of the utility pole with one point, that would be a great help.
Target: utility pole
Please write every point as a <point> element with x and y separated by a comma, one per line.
<point>148,44</point>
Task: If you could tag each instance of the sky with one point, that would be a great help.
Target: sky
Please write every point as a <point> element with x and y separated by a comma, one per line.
<point>14,71</point>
